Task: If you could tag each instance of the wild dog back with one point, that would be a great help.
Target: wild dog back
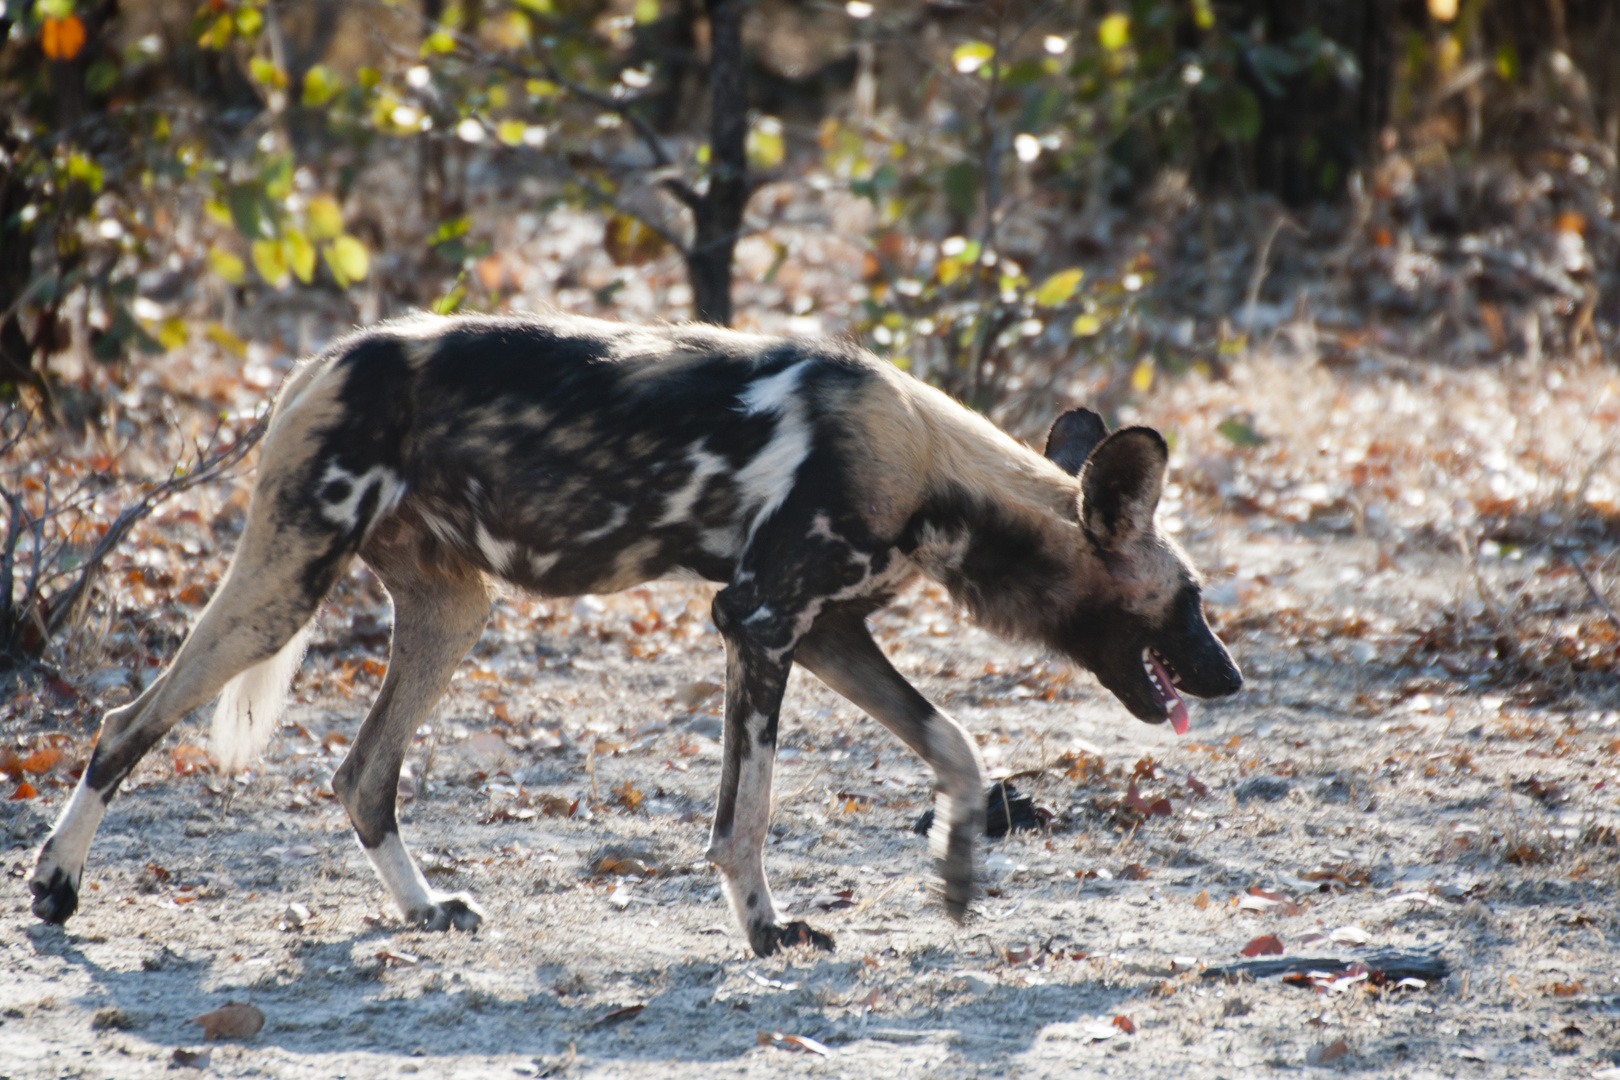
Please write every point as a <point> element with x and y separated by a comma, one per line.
<point>573,456</point>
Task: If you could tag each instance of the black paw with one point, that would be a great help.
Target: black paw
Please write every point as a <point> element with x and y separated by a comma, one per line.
<point>55,898</point>
<point>768,938</point>
<point>456,911</point>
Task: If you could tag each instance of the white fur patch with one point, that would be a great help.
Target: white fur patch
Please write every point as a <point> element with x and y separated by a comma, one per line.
<point>618,516</point>
<point>400,875</point>
<point>499,553</point>
<point>678,504</point>
<point>345,512</point>
<point>766,480</point>
<point>540,565</point>
<point>75,828</point>
<point>251,703</point>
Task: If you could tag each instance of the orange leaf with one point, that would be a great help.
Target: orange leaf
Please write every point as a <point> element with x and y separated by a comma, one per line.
<point>188,759</point>
<point>42,761</point>
<point>25,790</point>
<point>1134,872</point>
<point>1269,945</point>
<point>61,39</point>
<point>11,765</point>
<point>1202,900</point>
<point>1125,1024</point>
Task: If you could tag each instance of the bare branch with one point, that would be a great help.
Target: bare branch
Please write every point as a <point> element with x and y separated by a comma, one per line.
<point>608,197</point>
<point>207,469</point>
<point>1591,587</point>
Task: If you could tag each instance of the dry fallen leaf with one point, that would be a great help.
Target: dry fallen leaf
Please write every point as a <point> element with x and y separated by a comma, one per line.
<point>794,1042</point>
<point>1333,1051</point>
<point>1125,1024</point>
<point>1201,901</point>
<point>191,1059</point>
<point>628,795</point>
<point>1268,945</point>
<point>1349,935</point>
<point>400,958</point>
<point>189,759</point>
<point>232,1020</point>
<point>42,761</point>
<point>1134,872</point>
<point>617,1016</point>
<point>25,790</point>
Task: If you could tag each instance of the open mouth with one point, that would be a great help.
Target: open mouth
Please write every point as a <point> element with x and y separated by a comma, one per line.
<point>1162,677</point>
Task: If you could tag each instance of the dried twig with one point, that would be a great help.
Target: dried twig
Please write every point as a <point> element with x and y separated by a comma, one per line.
<point>49,619</point>
<point>1591,587</point>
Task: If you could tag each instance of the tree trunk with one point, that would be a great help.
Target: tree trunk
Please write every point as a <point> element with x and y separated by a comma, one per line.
<point>718,214</point>
<point>1320,129</point>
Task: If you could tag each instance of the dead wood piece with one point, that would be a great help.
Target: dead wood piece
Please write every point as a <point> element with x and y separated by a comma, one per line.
<point>1391,964</point>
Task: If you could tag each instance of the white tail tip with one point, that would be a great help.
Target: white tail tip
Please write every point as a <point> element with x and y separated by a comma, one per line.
<point>250,705</point>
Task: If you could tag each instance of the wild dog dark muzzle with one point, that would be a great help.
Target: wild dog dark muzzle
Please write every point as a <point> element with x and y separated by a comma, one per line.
<point>1186,656</point>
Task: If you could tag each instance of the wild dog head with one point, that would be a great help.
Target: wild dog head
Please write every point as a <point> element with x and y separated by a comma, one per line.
<point>1138,626</point>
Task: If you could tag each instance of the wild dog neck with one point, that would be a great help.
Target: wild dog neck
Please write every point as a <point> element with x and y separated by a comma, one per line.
<point>1015,570</point>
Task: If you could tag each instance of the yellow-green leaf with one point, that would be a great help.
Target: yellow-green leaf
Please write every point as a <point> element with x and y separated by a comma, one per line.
<point>1203,14</point>
<point>440,41</point>
<point>320,85</point>
<point>226,340</point>
<point>172,333</point>
<point>300,254</point>
<point>324,217</point>
<point>970,56</point>
<point>765,146</point>
<point>1114,32</point>
<point>541,88</point>
<point>645,11</point>
<point>249,20</point>
<point>270,261</point>
<point>267,72</point>
<point>1086,325</point>
<point>226,265</point>
<point>1059,287</point>
<point>348,260</point>
<point>217,212</point>
<point>1142,375</point>
<point>510,132</point>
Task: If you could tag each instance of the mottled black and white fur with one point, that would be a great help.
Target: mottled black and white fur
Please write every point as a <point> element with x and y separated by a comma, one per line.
<point>572,456</point>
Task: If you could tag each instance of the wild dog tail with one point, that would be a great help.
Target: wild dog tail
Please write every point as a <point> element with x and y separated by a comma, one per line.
<point>251,703</point>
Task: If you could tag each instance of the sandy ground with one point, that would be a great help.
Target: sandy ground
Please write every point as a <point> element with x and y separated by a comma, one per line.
<point>1421,809</point>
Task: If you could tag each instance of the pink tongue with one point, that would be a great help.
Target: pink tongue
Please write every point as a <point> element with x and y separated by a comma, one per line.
<point>1169,698</point>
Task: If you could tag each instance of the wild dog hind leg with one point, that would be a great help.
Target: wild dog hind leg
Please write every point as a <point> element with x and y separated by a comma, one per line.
<point>439,612</point>
<point>841,653</point>
<point>250,629</point>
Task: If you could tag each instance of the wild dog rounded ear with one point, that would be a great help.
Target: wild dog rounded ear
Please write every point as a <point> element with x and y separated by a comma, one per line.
<point>1073,437</point>
<point>1120,485</point>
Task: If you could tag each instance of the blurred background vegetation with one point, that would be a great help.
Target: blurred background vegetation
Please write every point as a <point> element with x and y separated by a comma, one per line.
<point>1027,204</point>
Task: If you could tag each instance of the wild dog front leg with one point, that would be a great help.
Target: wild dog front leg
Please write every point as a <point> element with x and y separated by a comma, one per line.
<point>759,655</point>
<point>841,653</point>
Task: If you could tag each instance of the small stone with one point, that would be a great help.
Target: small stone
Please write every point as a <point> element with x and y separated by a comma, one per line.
<point>1264,788</point>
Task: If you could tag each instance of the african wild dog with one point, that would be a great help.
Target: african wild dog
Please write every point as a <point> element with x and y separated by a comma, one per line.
<point>573,456</point>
